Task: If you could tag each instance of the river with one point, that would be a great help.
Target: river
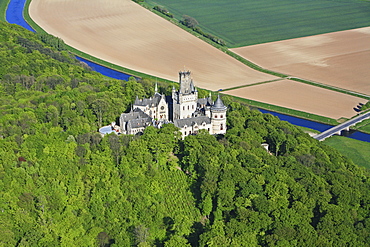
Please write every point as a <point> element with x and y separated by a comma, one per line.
<point>14,15</point>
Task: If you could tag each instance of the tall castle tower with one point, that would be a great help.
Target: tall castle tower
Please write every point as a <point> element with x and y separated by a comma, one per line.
<point>218,117</point>
<point>185,100</point>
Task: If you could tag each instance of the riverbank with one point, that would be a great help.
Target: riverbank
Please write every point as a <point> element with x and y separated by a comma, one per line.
<point>289,112</point>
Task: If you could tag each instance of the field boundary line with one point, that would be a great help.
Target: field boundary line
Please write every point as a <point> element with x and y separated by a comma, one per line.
<point>251,64</point>
<point>250,85</point>
<point>326,86</point>
<point>266,106</point>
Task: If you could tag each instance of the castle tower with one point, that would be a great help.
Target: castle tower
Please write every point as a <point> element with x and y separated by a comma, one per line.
<point>185,100</point>
<point>218,117</point>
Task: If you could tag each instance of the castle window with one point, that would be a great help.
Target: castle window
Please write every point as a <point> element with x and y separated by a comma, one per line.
<point>188,107</point>
<point>183,108</point>
<point>222,116</point>
<point>192,107</point>
<point>185,133</point>
<point>190,132</point>
<point>208,129</point>
<point>215,116</point>
<point>221,127</point>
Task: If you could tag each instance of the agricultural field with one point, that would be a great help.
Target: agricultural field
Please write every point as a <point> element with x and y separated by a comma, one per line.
<point>126,34</point>
<point>339,59</point>
<point>248,22</point>
<point>302,97</point>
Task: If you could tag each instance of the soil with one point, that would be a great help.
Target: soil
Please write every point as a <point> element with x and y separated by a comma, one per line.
<point>340,59</point>
<point>302,97</point>
<point>126,34</point>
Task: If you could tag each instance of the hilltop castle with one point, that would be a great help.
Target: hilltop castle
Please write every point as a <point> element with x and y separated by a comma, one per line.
<point>182,108</point>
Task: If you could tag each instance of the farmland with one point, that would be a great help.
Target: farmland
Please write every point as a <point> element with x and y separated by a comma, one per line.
<point>340,59</point>
<point>130,36</point>
<point>299,96</point>
<point>247,22</point>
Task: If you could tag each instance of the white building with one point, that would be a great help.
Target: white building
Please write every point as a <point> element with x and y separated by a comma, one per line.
<point>183,109</point>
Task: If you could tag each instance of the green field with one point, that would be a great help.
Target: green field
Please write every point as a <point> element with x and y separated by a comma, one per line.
<point>358,151</point>
<point>247,22</point>
<point>3,6</point>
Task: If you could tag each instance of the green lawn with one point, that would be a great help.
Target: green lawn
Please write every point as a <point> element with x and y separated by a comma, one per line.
<point>358,151</point>
<point>247,22</point>
<point>3,6</point>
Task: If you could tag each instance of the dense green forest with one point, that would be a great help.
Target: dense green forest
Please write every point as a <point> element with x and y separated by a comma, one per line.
<point>63,184</point>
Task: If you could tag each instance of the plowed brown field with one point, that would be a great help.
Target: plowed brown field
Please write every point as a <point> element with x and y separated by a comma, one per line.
<point>126,34</point>
<point>302,97</point>
<point>340,59</point>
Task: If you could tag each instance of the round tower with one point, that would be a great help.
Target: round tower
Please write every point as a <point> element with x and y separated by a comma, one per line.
<point>218,117</point>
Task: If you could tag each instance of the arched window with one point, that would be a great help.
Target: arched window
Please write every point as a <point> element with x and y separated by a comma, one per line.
<point>221,127</point>
<point>188,107</point>
<point>190,132</point>
<point>183,108</point>
<point>215,116</point>
<point>185,132</point>
<point>222,116</point>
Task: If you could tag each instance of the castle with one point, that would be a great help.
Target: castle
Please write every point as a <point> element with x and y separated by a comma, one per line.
<point>183,108</point>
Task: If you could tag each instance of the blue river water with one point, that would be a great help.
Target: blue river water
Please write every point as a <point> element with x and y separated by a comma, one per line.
<point>14,15</point>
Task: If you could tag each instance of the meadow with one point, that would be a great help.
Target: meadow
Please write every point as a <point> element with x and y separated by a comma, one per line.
<point>357,151</point>
<point>247,22</point>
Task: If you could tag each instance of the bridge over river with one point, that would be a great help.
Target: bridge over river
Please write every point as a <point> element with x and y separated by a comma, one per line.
<point>343,126</point>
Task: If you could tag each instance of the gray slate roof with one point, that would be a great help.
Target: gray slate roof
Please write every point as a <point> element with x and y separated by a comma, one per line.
<point>219,105</point>
<point>152,101</point>
<point>135,114</point>
<point>138,123</point>
<point>205,101</point>
<point>180,123</point>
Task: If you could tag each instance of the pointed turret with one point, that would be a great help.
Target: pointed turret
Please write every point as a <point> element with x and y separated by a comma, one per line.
<point>218,105</point>
<point>156,88</point>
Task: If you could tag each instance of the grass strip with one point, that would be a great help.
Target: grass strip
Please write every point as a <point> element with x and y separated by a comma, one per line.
<point>3,8</point>
<point>286,111</point>
<point>249,85</point>
<point>86,56</point>
<point>333,88</point>
<point>249,63</point>
<point>261,105</point>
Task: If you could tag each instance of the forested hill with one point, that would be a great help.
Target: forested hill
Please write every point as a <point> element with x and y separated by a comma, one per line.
<point>62,184</point>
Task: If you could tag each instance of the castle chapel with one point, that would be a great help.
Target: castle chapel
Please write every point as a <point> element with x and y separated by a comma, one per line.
<point>183,109</point>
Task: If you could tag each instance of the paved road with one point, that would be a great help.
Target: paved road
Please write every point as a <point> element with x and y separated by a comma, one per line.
<point>322,136</point>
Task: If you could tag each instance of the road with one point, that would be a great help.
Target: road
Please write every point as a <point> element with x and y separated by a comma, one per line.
<point>322,136</point>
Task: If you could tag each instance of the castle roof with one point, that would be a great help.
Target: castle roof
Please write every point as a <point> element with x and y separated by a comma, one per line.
<point>181,123</point>
<point>219,105</point>
<point>152,101</point>
<point>139,123</point>
<point>134,114</point>
<point>205,101</point>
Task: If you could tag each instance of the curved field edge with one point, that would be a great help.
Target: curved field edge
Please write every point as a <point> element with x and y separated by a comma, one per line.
<point>253,65</point>
<point>243,23</point>
<point>287,111</point>
<point>3,7</point>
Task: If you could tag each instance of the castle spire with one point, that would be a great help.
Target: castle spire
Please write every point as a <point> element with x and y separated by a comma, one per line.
<point>156,88</point>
